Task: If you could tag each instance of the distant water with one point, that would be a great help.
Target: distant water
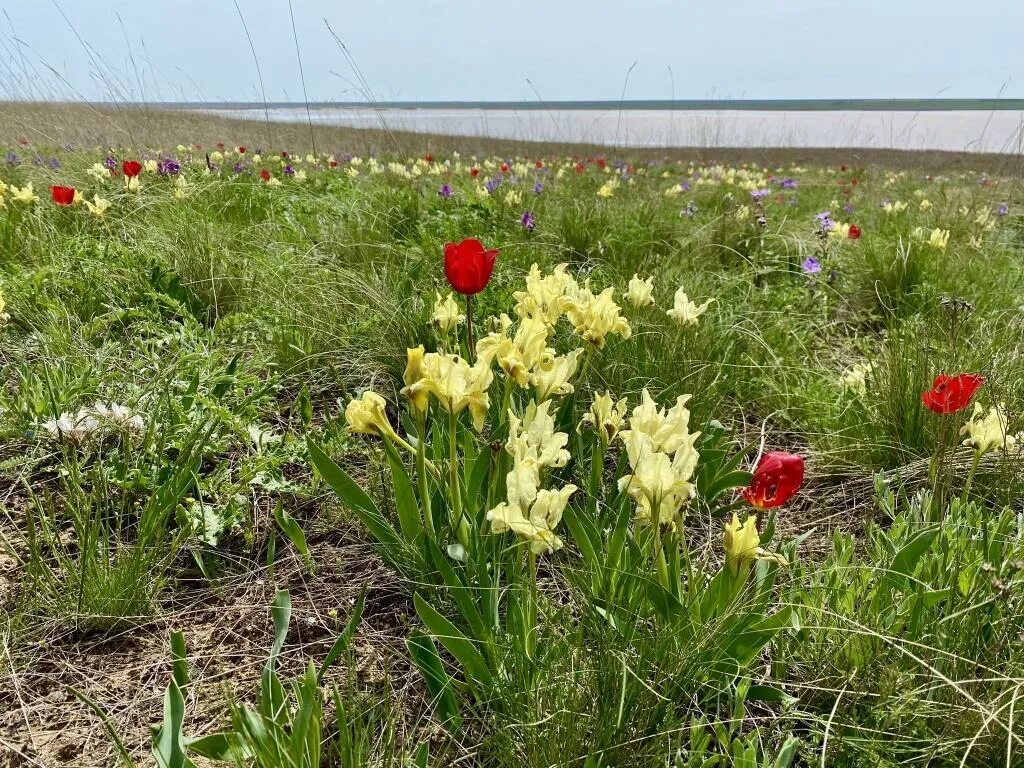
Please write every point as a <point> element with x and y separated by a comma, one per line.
<point>961,125</point>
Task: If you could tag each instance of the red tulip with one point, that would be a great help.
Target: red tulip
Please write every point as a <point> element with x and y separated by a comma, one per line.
<point>474,172</point>
<point>428,157</point>
<point>63,195</point>
<point>241,150</point>
<point>776,480</point>
<point>538,164</point>
<point>854,233</point>
<point>601,163</point>
<point>504,167</point>
<point>333,163</point>
<point>468,266</point>
<point>951,394</point>
<point>131,168</point>
<point>265,174</point>
<point>220,145</point>
<point>580,168</point>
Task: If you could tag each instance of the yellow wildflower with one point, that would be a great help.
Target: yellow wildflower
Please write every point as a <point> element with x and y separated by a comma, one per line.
<point>855,377</point>
<point>446,313</point>
<point>606,416</point>
<point>987,431</point>
<point>742,543</point>
<point>456,384</point>
<point>686,312</point>
<point>640,292</point>
<point>98,207</point>
<point>550,375</point>
<point>596,317</point>
<point>544,295</point>
<point>24,195</point>
<point>366,416</point>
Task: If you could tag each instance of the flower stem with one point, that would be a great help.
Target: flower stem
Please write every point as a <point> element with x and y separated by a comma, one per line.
<point>458,520</point>
<point>970,477</point>
<point>421,473</point>
<point>470,350</point>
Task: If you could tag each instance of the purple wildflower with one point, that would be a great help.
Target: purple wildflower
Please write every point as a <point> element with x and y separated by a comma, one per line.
<point>54,163</point>
<point>288,170</point>
<point>445,191</point>
<point>685,186</point>
<point>110,162</point>
<point>538,188</point>
<point>757,195</point>
<point>492,184</point>
<point>1002,210</point>
<point>528,221</point>
<point>168,167</point>
<point>848,208</point>
<point>239,167</point>
<point>788,183</point>
<point>690,210</point>
<point>811,265</point>
<point>825,223</point>
<point>12,158</point>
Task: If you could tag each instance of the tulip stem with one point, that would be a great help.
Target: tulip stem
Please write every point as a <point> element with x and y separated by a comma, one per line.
<point>470,351</point>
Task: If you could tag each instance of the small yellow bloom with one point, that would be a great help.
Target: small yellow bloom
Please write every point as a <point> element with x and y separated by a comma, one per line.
<point>516,355</point>
<point>855,377</point>
<point>987,431</point>
<point>366,416</point>
<point>686,312</point>
<point>545,294</point>
<point>925,204</point>
<point>742,543</point>
<point>133,184</point>
<point>550,376</point>
<point>446,313</point>
<point>151,166</point>
<point>24,195</point>
<point>596,317</point>
<point>536,522</point>
<point>415,389</point>
<point>606,416</point>
<point>607,189</point>
<point>640,293</point>
<point>456,384</point>
<point>98,207</point>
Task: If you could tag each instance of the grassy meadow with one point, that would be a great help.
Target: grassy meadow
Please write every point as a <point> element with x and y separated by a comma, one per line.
<point>264,505</point>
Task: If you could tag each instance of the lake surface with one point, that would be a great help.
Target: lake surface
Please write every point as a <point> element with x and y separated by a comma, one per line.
<point>971,130</point>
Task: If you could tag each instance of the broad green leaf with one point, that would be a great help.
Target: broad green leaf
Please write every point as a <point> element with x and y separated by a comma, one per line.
<point>354,497</point>
<point>440,684</point>
<point>293,531</point>
<point>405,498</point>
<point>456,642</point>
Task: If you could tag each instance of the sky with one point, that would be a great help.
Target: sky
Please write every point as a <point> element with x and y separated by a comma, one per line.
<point>196,50</point>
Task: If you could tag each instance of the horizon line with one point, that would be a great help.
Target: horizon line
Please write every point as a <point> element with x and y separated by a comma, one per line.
<point>789,105</point>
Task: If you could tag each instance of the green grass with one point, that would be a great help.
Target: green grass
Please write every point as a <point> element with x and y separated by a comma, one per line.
<point>238,319</point>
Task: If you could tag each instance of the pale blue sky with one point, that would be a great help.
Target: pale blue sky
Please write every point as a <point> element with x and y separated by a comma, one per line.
<point>478,50</point>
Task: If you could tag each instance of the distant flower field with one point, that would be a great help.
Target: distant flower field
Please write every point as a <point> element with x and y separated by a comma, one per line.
<point>317,458</point>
